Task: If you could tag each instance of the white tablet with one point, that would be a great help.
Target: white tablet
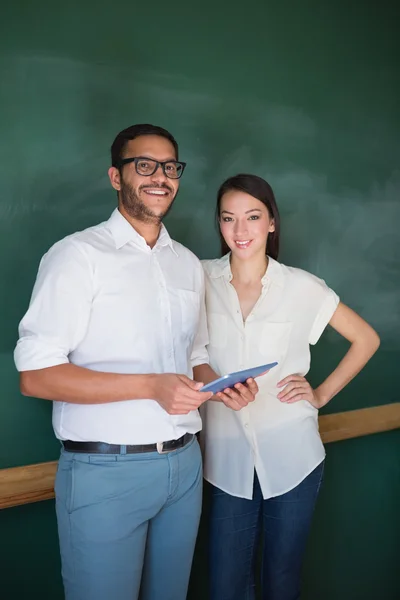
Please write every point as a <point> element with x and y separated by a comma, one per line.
<point>228,381</point>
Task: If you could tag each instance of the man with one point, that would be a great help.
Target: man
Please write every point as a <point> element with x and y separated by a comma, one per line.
<point>115,325</point>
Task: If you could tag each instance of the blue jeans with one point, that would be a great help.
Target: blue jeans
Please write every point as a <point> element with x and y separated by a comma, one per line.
<point>128,521</point>
<point>236,527</point>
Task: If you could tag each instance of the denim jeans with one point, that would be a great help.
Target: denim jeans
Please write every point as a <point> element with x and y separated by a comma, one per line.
<point>126,521</point>
<point>236,526</point>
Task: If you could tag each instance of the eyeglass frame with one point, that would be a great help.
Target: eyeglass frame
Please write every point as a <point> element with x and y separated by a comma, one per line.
<point>135,159</point>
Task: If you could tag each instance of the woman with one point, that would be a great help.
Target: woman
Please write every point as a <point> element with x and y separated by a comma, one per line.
<point>265,461</point>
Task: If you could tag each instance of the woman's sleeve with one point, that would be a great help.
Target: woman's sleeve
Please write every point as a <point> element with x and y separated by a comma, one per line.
<point>326,307</point>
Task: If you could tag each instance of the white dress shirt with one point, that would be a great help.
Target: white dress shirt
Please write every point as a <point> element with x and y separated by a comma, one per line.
<point>104,300</point>
<point>280,441</point>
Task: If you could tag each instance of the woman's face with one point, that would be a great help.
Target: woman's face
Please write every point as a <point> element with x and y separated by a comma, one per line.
<point>245,224</point>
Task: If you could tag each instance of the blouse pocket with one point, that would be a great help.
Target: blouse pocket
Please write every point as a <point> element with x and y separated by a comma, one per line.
<point>217,330</point>
<point>274,340</point>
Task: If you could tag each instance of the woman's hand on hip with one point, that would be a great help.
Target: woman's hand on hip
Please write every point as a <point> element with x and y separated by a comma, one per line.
<point>296,388</point>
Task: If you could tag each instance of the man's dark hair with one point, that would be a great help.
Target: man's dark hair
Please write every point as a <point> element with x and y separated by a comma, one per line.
<point>260,189</point>
<point>134,131</point>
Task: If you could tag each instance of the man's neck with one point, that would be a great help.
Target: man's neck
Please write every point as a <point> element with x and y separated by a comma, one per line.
<point>148,230</point>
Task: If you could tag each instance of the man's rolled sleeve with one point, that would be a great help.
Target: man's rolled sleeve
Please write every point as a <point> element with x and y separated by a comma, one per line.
<point>59,310</point>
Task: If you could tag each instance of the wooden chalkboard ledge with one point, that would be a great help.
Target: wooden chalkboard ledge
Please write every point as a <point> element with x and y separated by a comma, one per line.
<point>31,483</point>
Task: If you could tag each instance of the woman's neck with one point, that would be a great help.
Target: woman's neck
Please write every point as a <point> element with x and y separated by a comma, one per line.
<point>250,271</point>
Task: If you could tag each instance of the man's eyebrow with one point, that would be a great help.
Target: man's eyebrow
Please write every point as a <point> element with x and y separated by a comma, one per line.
<point>156,159</point>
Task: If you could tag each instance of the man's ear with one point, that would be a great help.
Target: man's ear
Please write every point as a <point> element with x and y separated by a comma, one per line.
<point>115,178</point>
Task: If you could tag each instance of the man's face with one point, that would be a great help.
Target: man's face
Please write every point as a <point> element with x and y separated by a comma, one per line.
<point>146,198</point>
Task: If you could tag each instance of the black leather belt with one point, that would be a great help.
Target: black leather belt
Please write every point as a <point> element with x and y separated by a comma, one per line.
<point>103,448</point>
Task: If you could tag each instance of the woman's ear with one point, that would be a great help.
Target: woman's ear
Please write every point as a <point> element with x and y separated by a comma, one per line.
<point>271,228</point>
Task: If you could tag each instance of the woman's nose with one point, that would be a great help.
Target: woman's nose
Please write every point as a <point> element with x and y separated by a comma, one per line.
<point>240,227</point>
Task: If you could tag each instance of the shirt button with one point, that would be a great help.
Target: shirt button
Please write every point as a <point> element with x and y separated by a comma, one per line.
<point>246,425</point>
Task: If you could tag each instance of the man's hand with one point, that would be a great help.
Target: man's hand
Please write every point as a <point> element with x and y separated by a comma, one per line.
<point>178,394</point>
<point>240,395</point>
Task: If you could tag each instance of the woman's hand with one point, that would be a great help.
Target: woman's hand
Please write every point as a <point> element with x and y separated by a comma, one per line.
<point>240,395</point>
<point>237,397</point>
<point>297,388</point>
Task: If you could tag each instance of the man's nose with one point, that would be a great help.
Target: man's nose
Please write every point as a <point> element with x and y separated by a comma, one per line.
<point>159,175</point>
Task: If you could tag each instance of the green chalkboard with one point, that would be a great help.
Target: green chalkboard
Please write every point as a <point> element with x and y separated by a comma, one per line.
<point>306,94</point>
<point>299,96</point>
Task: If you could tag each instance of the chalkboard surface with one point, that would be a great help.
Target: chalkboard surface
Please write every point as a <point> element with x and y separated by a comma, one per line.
<point>304,94</point>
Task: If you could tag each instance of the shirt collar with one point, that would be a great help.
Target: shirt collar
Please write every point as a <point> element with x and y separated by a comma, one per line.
<point>222,268</point>
<point>123,233</point>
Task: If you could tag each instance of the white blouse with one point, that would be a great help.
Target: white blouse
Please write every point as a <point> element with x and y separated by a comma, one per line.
<point>279,441</point>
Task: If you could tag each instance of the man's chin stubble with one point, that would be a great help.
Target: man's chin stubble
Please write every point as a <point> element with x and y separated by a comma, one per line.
<point>136,209</point>
<point>141,213</point>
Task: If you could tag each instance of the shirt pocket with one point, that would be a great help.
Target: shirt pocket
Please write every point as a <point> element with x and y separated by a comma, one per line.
<point>274,340</point>
<point>217,330</point>
<point>189,302</point>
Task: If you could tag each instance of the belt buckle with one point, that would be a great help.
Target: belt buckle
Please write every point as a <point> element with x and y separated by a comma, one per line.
<point>160,448</point>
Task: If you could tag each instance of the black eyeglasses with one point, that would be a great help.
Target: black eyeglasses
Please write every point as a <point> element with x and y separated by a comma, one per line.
<point>147,166</point>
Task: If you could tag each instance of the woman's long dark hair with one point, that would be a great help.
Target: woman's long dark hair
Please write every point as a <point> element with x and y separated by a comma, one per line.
<point>260,189</point>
